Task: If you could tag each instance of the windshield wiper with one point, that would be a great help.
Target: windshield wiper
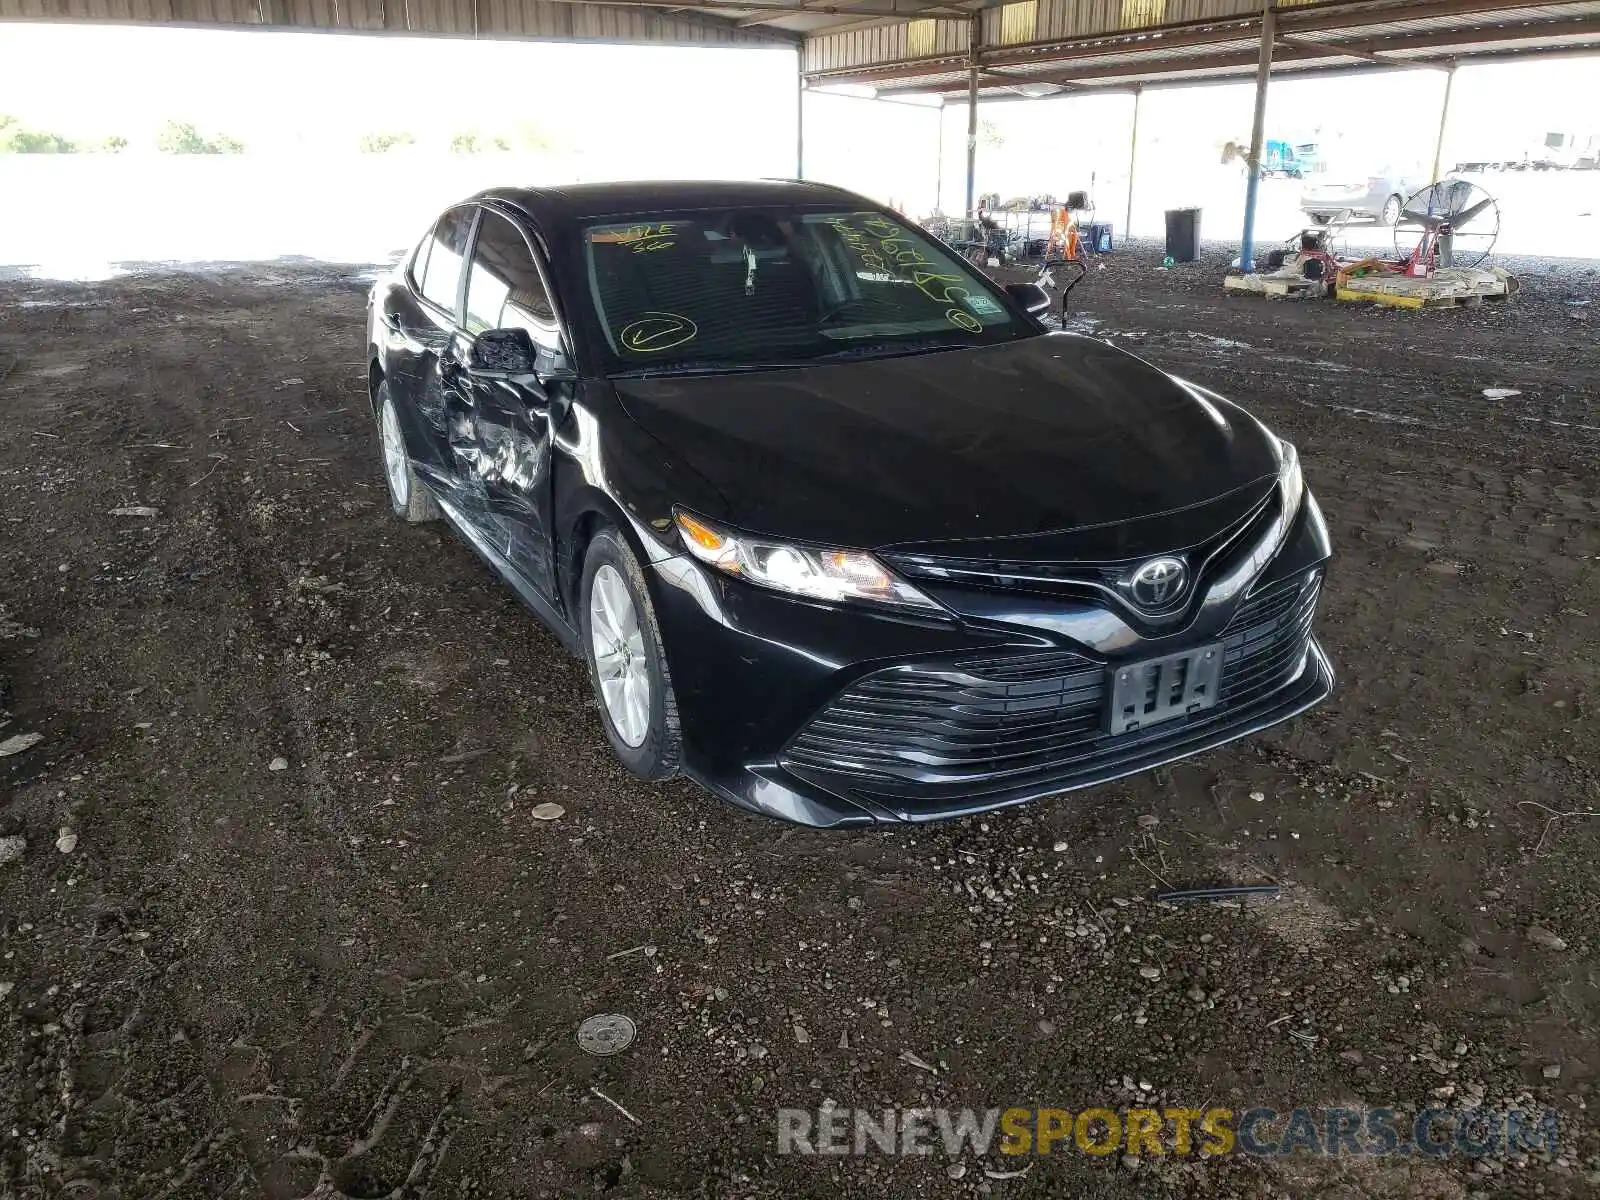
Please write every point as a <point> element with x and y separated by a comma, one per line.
<point>894,350</point>
<point>703,367</point>
<point>718,367</point>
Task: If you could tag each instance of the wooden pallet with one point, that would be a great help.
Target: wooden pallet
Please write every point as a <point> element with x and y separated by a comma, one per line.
<point>1294,286</point>
<point>1398,301</point>
<point>1449,287</point>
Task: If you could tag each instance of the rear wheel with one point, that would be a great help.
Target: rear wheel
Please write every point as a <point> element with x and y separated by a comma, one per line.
<point>407,493</point>
<point>627,667</point>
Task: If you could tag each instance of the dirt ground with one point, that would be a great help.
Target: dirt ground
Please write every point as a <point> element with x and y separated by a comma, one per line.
<point>362,973</point>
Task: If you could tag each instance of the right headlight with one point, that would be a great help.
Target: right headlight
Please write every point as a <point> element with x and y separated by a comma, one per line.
<point>816,572</point>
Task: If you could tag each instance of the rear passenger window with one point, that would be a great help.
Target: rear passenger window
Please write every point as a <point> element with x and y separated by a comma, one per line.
<point>504,290</point>
<point>446,252</point>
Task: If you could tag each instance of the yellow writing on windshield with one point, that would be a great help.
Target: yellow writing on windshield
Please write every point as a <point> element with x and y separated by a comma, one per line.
<point>641,238</point>
<point>657,331</point>
<point>870,257</point>
<point>885,248</point>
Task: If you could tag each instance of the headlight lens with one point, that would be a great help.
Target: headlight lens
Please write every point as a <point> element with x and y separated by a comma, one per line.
<point>813,571</point>
<point>1291,483</point>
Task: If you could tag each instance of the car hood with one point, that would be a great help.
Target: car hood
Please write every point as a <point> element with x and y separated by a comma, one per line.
<point>1041,436</point>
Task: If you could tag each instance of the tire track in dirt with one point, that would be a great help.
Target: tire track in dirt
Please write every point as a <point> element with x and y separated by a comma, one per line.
<point>207,529</point>
<point>265,1108</point>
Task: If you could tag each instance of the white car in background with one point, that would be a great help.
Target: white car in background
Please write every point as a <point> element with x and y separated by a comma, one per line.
<point>1377,196</point>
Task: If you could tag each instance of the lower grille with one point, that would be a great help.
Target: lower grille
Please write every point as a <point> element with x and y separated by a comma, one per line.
<point>1000,720</point>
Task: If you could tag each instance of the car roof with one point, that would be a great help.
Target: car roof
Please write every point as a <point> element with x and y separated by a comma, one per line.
<point>581,201</point>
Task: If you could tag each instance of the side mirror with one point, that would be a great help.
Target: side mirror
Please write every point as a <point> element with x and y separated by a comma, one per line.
<point>502,354</point>
<point>1031,296</point>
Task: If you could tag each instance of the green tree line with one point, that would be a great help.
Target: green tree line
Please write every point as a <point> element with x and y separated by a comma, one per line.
<point>177,137</point>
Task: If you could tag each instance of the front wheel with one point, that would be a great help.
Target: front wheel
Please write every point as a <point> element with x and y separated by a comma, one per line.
<point>627,667</point>
<point>407,494</point>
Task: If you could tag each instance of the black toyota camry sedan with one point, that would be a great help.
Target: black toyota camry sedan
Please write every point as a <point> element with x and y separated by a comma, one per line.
<point>842,531</point>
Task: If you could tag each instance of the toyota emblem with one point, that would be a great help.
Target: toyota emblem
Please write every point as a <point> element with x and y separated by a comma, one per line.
<point>1158,583</point>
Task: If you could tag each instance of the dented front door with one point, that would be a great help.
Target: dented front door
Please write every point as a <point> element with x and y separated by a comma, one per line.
<point>468,466</point>
<point>420,328</point>
<point>510,436</point>
<point>513,434</point>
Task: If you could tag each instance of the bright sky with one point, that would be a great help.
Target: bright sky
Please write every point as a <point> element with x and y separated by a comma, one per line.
<point>301,103</point>
<point>280,91</point>
<point>283,90</point>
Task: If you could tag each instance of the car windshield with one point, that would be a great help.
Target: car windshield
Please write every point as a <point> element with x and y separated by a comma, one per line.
<point>745,288</point>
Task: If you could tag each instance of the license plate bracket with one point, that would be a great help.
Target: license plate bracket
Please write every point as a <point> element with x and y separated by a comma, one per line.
<point>1162,689</point>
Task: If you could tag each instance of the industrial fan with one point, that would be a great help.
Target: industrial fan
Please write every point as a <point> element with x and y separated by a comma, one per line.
<point>1452,223</point>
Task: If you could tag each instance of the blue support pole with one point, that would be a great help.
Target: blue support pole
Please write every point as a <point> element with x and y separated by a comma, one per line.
<point>1258,133</point>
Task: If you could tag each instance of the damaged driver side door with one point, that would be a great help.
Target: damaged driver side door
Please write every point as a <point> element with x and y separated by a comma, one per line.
<point>418,325</point>
<point>507,450</point>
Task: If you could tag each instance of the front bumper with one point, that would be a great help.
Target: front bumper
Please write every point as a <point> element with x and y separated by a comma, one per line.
<point>833,716</point>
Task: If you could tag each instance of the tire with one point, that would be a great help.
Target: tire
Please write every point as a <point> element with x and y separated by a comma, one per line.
<point>408,495</point>
<point>655,750</point>
<point>1391,211</point>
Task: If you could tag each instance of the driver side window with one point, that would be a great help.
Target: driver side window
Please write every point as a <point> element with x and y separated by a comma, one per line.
<point>441,270</point>
<point>504,290</point>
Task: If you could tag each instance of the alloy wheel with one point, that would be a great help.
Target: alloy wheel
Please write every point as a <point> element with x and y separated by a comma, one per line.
<point>619,655</point>
<point>394,455</point>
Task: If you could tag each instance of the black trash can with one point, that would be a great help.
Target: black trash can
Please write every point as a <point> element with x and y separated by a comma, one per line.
<point>1183,234</point>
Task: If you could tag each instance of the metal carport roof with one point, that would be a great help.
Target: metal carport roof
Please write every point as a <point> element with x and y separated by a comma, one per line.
<point>1028,47</point>
<point>1308,39</point>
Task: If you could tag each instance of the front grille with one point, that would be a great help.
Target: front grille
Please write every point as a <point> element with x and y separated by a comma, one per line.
<point>940,720</point>
<point>1084,579</point>
<point>1003,719</point>
<point>1266,638</point>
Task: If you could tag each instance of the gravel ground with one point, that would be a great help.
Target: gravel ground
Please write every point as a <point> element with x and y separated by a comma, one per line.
<point>277,917</point>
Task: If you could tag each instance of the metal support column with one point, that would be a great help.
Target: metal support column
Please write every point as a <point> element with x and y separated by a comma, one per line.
<point>800,116</point>
<point>938,176</point>
<point>972,114</point>
<point>1258,133</point>
<point>1444,120</point>
<point>1133,154</point>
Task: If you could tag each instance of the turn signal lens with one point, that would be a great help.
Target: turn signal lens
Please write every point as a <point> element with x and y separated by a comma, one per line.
<point>820,574</point>
<point>701,535</point>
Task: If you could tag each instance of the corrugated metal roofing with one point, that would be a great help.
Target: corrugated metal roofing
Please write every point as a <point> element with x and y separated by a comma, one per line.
<point>1222,40</point>
<point>453,18</point>
<point>1084,43</point>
